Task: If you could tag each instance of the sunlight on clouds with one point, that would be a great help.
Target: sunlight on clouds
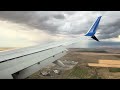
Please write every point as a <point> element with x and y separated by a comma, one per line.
<point>119,36</point>
<point>116,39</point>
<point>40,27</point>
<point>14,35</point>
<point>17,35</point>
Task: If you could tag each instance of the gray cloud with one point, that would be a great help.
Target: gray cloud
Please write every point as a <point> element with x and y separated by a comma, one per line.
<point>16,16</point>
<point>66,22</point>
<point>60,16</point>
<point>35,19</point>
<point>111,30</point>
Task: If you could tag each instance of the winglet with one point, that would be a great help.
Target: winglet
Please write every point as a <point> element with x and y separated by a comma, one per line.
<point>91,32</point>
<point>94,37</point>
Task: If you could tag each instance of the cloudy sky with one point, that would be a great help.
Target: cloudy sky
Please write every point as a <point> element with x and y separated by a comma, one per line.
<point>26,28</point>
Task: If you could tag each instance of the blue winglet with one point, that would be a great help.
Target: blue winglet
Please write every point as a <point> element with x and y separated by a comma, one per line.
<point>93,29</point>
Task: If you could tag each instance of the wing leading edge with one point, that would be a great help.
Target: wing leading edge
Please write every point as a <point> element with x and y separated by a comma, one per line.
<point>93,29</point>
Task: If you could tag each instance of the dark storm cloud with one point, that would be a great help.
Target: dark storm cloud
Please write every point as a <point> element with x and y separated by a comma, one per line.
<point>16,16</point>
<point>36,19</point>
<point>52,21</point>
<point>111,30</point>
<point>32,19</point>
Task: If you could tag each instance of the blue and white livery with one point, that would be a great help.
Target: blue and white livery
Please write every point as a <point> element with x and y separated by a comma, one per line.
<point>93,29</point>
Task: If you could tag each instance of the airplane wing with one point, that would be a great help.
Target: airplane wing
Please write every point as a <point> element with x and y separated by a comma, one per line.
<point>91,32</point>
<point>20,63</point>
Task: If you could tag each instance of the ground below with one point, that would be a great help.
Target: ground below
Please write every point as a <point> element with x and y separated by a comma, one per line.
<point>81,70</point>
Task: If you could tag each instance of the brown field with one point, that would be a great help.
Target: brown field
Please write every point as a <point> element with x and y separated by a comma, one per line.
<point>82,70</point>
